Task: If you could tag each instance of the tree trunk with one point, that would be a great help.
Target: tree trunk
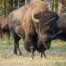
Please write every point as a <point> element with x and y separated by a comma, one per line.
<point>4,8</point>
<point>26,1</point>
<point>18,4</point>
<point>64,5</point>
<point>15,4</point>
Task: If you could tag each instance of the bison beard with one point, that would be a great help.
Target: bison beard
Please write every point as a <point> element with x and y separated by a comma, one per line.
<point>31,39</point>
<point>30,43</point>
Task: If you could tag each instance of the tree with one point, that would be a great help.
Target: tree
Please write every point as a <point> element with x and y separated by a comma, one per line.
<point>1,1</point>
<point>4,8</point>
<point>26,2</point>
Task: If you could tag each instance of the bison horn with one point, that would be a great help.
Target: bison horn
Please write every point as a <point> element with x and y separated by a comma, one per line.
<point>34,19</point>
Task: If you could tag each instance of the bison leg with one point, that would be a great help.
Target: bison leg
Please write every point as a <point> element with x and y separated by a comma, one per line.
<point>16,48</point>
<point>32,52</point>
<point>16,44</point>
<point>43,54</point>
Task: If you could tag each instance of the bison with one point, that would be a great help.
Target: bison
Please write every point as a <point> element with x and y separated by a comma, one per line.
<point>59,30</point>
<point>43,26</point>
<point>30,22</point>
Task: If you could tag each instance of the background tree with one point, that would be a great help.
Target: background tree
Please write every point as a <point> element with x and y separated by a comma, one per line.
<point>6,6</point>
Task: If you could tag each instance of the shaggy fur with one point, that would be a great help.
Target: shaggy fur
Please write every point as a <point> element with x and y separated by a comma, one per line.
<point>22,25</point>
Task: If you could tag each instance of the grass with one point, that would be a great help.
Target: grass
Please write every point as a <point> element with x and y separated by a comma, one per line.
<point>56,55</point>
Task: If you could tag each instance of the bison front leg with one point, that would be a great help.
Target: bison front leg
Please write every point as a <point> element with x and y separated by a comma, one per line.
<point>17,49</point>
<point>29,46</point>
<point>16,44</point>
<point>43,54</point>
<point>32,52</point>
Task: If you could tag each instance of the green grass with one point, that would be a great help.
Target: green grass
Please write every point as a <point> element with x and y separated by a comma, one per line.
<point>56,55</point>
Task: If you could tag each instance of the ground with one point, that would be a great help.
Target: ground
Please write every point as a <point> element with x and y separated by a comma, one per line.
<point>56,55</point>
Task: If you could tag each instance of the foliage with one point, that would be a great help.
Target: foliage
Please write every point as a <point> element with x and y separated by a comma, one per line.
<point>6,6</point>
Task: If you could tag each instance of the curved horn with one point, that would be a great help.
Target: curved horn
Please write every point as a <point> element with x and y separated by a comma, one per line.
<point>34,19</point>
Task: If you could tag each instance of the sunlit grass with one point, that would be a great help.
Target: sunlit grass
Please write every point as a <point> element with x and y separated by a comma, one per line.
<point>56,55</point>
<point>37,61</point>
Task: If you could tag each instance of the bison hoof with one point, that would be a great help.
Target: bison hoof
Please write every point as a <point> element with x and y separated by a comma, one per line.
<point>15,53</point>
<point>32,57</point>
<point>43,55</point>
<point>19,53</point>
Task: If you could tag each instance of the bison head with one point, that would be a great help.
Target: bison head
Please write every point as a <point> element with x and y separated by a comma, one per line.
<point>43,21</point>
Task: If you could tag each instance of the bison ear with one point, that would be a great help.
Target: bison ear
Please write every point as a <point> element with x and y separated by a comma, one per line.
<point>36,17</point>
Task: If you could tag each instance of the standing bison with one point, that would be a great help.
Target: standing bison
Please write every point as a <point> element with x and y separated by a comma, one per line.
<point>43,27</point>
<point>58,28</point>
<point>59,31</point>
<point>31,23</point>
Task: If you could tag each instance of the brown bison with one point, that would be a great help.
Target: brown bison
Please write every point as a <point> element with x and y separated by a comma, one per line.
<point>31,23</point>
<point>58,29</point>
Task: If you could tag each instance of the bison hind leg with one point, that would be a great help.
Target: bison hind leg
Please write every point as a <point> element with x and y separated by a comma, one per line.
<point>16,44</point>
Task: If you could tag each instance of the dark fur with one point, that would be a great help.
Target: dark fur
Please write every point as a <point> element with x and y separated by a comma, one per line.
<point>44,43</point>
<point>4,28</point>
<point>40,48</point>
<point>31,40</point>
<point>60,25</point>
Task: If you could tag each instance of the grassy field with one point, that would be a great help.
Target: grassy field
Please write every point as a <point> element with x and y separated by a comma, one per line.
<point>56,56</point>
